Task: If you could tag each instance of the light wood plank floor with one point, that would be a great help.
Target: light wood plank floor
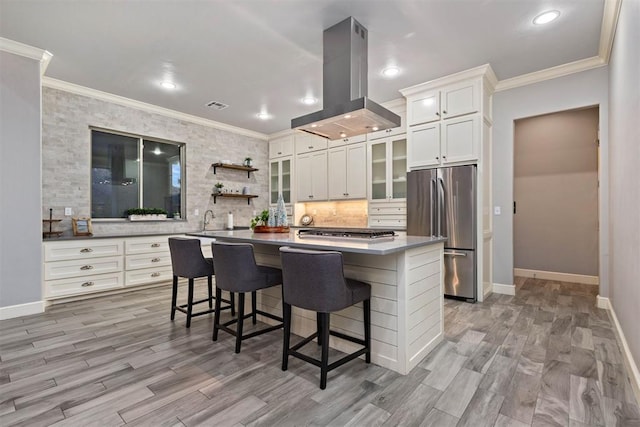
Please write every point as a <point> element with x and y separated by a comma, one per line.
<point>544,357</point>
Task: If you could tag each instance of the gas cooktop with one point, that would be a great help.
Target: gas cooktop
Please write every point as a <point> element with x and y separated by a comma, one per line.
<point>347,233</point>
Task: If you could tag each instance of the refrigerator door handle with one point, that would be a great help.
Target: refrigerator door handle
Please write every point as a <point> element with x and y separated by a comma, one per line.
<point>433,209</point>
<point>455,254</point>
<point>441,198</point>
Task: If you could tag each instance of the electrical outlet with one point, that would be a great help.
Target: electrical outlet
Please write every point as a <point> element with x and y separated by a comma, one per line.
<point>196,212</point>
<point>68,211</point>
<point>497,210</point>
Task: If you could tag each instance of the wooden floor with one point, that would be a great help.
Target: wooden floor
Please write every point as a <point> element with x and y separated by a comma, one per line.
<point>544,357</point>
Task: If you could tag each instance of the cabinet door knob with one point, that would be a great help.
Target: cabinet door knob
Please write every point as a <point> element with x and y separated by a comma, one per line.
<point>444,157</point>
<point>437,114</point>
<point>310,147</point>
<point>87,284</point>
<point>86,267</point>
<point>86,250</point>
<point>155,245</point>
<point>444,111</point>
<point>437,158</point>
<point>155,260</point>
<point>279,152</point>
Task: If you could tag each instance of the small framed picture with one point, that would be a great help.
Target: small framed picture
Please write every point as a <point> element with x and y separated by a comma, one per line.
<point>82,227</point>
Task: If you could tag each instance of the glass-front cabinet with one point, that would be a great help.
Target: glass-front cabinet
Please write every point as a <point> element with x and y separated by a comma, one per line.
<point>388,157</point>
<point>280,179</point>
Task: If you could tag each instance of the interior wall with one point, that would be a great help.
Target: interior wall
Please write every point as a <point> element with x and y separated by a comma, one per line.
<point>624,92</point>
<point>556,192</point>
<point>66,149</point>
<point>20,216</point>
<point>574,91</point>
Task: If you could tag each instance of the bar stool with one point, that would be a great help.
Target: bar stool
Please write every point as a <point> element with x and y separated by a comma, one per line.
<point>314,280</point>
<point>187,261</point>
<point>237,271</point>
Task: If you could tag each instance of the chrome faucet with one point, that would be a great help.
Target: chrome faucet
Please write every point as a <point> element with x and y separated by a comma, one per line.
<point>206,221</point>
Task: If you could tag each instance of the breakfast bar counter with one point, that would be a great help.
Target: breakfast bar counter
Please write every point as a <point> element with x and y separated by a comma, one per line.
<point>406,276</point>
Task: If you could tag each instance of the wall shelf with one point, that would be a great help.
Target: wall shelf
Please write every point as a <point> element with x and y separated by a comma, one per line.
<point>234,196</point>
<point>248,169</point>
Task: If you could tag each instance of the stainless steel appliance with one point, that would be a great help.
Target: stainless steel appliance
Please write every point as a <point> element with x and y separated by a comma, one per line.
<point>442,202</point>
<point>366,234</point>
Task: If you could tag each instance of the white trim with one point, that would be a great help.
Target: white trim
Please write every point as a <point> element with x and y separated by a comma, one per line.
<point>19,310</point>
<point>554,275</point>
<point>608,28</point>
<point>481,71</point>
<point>602,302</point>
<point>628,357</point>
<point>27,51</point>
<point>488,289</point>
<point>127,102</point>
<point>500,288</point>
<point>551,73</point>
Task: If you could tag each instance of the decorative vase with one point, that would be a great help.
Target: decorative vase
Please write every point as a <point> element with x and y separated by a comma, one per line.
<point>281,212</point>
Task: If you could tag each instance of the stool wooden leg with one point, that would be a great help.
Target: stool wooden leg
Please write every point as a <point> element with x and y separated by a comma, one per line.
<point>366,306</point>
<point>174,297</point>
<point>210,286</point>
<point>190,303</point>
<point>216,315</point>
<point>319,328</point>
<point>240,321</point>
<point>254,304</point>
<point>324,364</point>
<point>286,320</point>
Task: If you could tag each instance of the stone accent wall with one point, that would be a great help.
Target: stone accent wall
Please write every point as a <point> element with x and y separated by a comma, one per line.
<point>66,163</point>
<point>346,213</point>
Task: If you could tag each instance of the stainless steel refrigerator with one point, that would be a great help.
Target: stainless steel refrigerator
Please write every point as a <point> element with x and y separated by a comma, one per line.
<point>442,202</point>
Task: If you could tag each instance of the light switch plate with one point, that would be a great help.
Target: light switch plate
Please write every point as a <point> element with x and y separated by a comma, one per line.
<point>497,210</point>
<point>68,211</point>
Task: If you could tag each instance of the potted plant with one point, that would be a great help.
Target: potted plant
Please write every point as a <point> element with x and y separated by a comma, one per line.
<point>260,220</point>
<point>219,186</point>
<point>248,161</point>
<point>147,214</point>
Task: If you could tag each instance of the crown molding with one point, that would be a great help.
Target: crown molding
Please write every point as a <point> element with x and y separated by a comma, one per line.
<point>551,73</point>
<point>21,49</point>
<point>150,108</point>
<point>479,71</point>
<point>608,28</point>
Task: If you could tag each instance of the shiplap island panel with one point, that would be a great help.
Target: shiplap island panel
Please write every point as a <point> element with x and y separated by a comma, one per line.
<point>407,296</point>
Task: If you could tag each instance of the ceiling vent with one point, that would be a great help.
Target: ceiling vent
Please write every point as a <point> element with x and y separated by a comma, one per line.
<point>217,105</point>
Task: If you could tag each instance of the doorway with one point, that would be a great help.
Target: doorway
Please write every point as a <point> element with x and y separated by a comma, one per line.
<point>555,226</point>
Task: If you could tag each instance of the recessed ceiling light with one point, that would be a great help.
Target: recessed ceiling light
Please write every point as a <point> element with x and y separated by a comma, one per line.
<point>263,116</point>
<point>167,84</point>
<point>343,135</point>
<point>347,116</point>
<point>374,128</point>
<point>391,71</point>
<point>314,125</point>
<point>546,17</point>
<point>309,100</point>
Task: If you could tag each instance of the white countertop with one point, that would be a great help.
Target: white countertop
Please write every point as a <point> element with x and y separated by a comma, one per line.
<point>401,242</point>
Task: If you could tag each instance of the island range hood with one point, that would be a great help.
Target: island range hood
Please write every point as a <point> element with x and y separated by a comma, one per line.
<point>347,110</point>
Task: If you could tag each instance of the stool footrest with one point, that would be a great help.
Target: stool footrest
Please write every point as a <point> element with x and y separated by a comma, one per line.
<point>293,350</point>
<point>347,337</point>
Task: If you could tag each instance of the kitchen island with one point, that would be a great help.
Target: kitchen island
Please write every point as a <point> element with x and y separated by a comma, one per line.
<point>405,274</point>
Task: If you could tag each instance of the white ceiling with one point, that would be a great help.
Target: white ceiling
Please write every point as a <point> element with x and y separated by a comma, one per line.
<point>267,54</point>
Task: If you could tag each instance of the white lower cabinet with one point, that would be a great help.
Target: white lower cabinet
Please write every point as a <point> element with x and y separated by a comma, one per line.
<point>83,266</point>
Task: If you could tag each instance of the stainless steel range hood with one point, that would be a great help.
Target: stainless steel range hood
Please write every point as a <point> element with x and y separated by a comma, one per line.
<point>347,110</point>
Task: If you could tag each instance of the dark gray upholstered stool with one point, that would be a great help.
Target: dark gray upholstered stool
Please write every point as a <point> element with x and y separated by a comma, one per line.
<point>314,280</point>
<point>237,271</point>
<point>187,261</point>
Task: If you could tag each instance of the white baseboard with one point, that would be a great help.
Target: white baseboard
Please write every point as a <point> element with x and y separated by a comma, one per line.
<point>554,275</point>
<point>487,289</point>
<point>500,288</point>
<point>628,357</point>
<point>19,310</point>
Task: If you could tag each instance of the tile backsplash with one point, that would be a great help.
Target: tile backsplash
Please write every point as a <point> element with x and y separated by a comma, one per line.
<point>352,213</point>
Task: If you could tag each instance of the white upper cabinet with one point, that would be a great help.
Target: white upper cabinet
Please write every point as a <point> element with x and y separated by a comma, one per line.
<point>311,176</point>
<point>424,147</point>
<point>460,139</point>
<point>450,101</point>
<point>306,142</point>
<point>281,147</point>
<point>347,178</point>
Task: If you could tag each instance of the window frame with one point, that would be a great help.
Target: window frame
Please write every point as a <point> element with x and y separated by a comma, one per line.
<point>140,149</point>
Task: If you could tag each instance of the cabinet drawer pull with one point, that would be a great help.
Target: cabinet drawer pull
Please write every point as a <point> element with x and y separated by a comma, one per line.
<point>310,147</point>
<point>87,284</point>
<point>86,267</point>
<point>155,260</point>
<point>155,245</point>
<point>156,274</point>
<point>279,152</point>
<point>86,250</point>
